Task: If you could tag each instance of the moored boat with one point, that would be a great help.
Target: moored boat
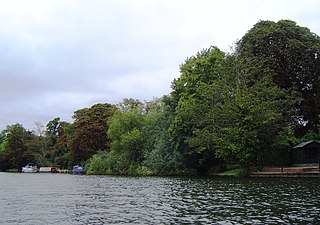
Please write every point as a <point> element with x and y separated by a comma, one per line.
<point>30,168</point>
<point>77,170</point>
<point>51,169</point>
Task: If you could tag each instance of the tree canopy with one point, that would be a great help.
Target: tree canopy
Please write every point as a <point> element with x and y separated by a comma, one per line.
<point>17,147</point>
<point>90,127</point>
<point>292,54</point>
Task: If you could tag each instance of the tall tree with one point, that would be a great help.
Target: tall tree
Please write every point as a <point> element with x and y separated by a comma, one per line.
<point>61,154</point>
<point>90,128</point>
<point>196,73</point>
<point>16,152</point>
<point>2,160</point>
<point>228,109</point>
<point>125,131</point>
<point>40,144</point>
<point>54,130</point>
<point>292,54</point>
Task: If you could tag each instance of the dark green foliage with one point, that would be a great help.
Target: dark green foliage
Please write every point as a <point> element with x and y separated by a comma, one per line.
<point>230,109</point>
<point>140,143</point>
<point>61,154</point>
<point>248,123</point>
<point>53,132</point>
<point>102,163</point>
<point>125,132</point>
<point>164,159</point>
<point>160,155</point>
<point>17,149</point>
<point>197,73</point>
<point>291,53</point>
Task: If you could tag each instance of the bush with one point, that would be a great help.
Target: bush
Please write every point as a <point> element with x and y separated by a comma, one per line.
<point>100,163</point>
<point>163,160</point>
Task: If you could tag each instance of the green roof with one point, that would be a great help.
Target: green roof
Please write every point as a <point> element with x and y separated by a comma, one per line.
<point>303,144</point>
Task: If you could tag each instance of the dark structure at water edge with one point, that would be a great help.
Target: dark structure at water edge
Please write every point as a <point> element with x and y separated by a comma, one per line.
<point>305,153</point>
<point>304,161</point>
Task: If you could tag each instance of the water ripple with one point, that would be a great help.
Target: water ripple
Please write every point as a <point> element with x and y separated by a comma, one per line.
<point>65,199</point>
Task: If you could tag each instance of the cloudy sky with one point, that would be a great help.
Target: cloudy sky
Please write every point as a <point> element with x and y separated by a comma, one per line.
<point>57,56</point>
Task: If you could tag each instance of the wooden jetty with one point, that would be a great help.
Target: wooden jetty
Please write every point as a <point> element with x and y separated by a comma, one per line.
<point>293,171</point>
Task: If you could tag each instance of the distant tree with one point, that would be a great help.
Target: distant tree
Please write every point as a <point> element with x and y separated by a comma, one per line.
<point>90,128</point>
<point>16,152</point>
<point>52,134</point>
<point>52,129</point>
<point>129,103</point>
<point>39,129</point>
<point>40,144</point>
<point>2,136</point>
<point>58,142</point>
<point>2,161</point>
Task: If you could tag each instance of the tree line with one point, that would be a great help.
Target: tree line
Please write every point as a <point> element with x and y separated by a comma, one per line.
<point>226,110</point>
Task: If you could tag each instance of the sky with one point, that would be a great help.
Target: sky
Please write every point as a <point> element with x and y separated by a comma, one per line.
<point>57,56</point>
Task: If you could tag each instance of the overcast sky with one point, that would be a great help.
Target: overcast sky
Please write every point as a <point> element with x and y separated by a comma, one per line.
<point>57,56</point>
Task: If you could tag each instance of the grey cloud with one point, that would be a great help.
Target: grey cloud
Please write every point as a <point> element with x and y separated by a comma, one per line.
<point>59,56</point>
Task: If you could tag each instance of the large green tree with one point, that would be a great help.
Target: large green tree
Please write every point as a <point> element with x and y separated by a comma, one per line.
<point>128,142</point>
<point>53,129</point>
<point>56,136</point>
<point>292,55</point>
<point>197,73</point>
<point>249,116</point>
<point>228,109</point>
<point>17,149</point>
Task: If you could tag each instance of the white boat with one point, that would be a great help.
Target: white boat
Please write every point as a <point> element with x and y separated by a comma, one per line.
<point>30,168</point>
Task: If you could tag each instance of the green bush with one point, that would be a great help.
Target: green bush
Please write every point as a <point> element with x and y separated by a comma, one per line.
<point>99,164</point>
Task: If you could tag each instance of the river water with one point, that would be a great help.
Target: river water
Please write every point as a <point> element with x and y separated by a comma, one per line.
<point>32,199</point>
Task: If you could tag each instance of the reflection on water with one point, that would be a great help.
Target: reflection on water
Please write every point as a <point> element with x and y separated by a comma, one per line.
<point>65,199</point>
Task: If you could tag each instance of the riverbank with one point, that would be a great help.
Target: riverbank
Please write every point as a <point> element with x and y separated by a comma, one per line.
<point>240,172</point>
<point>274,172</point>
<point>302,171</point>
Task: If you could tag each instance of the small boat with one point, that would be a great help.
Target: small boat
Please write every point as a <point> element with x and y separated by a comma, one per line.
<point>52,169</point>
<point>77,170</point>
<point>30,168</point>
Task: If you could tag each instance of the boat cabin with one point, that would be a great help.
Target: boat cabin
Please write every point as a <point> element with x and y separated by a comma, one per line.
<point>306,153</point>
<point>78,170</point>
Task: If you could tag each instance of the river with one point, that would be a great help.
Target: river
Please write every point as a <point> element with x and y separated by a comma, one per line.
<point>32,199</point>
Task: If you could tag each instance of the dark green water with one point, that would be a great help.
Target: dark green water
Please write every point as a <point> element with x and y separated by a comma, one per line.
<point>65,199</point>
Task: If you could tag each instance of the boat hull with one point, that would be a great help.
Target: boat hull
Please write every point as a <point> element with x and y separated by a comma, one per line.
<point>29,170</point>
